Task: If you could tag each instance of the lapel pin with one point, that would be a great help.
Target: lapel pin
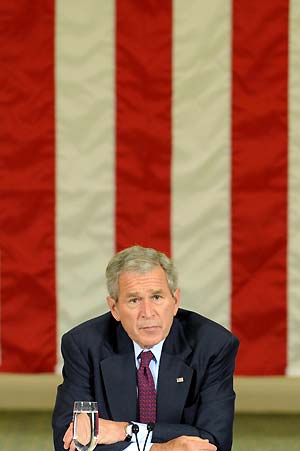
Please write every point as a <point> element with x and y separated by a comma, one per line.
<point>179,379</point>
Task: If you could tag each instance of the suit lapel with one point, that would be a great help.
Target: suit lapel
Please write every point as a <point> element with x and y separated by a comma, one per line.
<point>172,388</point>
<point>119,376</point>
<point>175,376</point>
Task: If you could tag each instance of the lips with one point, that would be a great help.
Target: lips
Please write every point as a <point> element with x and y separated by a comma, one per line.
<point>150,327</point>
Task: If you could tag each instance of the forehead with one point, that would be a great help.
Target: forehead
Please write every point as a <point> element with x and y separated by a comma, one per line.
<point>136,282</point>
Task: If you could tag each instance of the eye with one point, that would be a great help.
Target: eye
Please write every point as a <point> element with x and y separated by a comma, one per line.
<point>157,297</point>
<point>133,301</point>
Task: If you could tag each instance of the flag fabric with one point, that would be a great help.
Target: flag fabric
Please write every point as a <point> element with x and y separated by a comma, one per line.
<point>172,125</point>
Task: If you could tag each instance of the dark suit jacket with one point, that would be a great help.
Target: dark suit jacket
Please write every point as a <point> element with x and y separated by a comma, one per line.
<point>99,365</point>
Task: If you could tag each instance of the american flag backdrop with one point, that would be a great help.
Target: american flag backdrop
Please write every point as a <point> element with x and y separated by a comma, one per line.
<point>170,124</point>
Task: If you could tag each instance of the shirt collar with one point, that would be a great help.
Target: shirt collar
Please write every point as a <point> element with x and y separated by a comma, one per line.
<point>156,350</point>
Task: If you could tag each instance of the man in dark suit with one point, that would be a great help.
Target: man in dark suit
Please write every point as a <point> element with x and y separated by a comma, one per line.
<point>191,367</point>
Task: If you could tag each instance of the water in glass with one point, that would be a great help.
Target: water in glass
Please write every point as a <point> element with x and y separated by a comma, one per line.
<point>85,418</point>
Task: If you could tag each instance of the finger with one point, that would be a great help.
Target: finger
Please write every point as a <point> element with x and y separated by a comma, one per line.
<point>68,437</point>
<point>209,447</point>
<point>204,444</point>
<point>67,443</point>
<point>69,430</point>
<point>195,438</point>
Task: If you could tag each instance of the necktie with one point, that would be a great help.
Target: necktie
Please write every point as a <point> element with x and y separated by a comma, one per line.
<point>147,394</point>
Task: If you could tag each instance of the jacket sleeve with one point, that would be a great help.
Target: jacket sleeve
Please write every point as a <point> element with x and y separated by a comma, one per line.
<point>211,416</point>
<point>76,386</point>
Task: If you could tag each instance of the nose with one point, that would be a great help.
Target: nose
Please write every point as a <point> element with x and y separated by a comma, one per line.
<point>147,309</point>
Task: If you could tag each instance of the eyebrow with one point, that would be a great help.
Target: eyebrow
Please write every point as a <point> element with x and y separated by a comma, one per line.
<point>157,291</point>
<point>133,295</point>
<point>136,294</point>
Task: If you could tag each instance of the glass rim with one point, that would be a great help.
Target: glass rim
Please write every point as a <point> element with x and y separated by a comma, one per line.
<point>84,405</point>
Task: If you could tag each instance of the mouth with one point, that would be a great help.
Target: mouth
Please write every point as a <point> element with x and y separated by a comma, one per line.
<point>149,328</point>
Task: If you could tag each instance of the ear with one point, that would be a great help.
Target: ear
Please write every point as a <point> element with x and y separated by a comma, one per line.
<point>113,307</point>
<point>176,297</point>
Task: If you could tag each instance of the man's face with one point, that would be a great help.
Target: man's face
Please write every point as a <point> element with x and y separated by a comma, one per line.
<point>145,306</point>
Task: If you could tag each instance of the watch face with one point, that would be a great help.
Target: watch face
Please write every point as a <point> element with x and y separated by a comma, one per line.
<point>128,430</point>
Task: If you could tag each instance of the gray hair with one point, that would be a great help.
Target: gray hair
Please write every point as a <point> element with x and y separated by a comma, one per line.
<point>141,260</point>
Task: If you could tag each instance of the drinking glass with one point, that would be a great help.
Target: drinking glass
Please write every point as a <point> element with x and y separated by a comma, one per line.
<point>85,425</point>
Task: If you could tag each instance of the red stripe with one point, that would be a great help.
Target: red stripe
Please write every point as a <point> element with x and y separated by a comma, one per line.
<point>259,184</point>
<point>143,123</point>
<point>28,311</point>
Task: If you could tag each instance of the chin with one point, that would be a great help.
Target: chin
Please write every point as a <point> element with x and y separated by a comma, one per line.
<point>150,343</point>
<point>149,338</point>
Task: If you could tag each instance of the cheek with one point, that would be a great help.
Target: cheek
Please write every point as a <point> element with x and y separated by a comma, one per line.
<point>167,317</point>
<point>129,319</point>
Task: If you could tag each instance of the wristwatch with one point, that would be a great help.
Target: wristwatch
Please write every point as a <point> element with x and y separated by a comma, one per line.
<point>128,432</point>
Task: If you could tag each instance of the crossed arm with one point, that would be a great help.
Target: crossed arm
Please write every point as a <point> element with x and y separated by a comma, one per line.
<point>114,431</point>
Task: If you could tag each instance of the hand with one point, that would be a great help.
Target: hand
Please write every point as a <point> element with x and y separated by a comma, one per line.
<point>68,438</point>
<point>109,432</point>
<point>184,443</point>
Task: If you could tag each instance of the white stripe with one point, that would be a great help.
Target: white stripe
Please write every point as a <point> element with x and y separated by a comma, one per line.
<point>294,190</point>
<point>85,156</point>
<point>201,155</point>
